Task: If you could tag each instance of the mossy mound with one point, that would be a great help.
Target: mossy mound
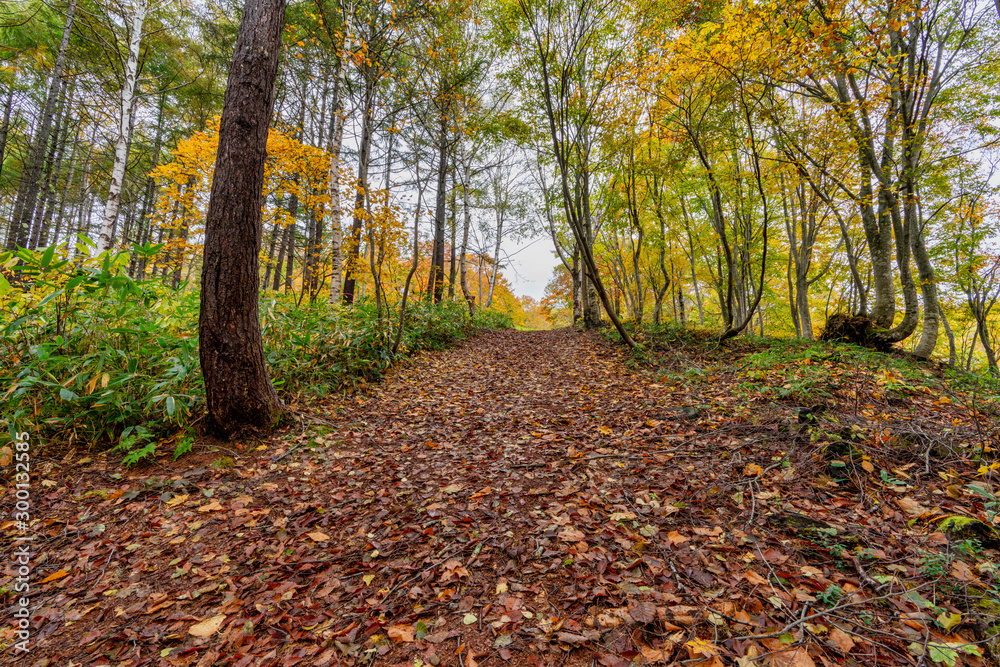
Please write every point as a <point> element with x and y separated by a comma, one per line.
<point>965,528</point>
<point>856,329</point>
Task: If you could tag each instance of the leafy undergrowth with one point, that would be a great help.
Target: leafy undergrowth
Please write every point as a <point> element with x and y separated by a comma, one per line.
<point>90,357</point>
<point>537,498</point>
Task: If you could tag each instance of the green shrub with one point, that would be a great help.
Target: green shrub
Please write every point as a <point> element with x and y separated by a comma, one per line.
<point>93,357</point>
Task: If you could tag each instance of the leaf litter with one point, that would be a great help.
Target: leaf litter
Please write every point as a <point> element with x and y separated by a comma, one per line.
<point>535,498</point>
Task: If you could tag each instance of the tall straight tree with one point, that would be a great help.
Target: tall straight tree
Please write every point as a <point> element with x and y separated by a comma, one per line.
<point>239,391</point>
<point>123,138</point>
<point>24,208</point>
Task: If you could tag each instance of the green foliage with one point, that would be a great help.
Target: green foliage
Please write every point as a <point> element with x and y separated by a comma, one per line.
<point>831,596</point>
<point>89,355</point>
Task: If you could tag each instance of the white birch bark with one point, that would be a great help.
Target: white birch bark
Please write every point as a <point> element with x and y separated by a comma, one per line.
<point>336,210</point>
<point>141,9</point>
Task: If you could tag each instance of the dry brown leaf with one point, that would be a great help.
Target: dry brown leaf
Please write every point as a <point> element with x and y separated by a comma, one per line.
<point>568,534</point>
<point>642,612</point>
<point>843,640</point>
<point>213,506</point>
<point>401,633</point>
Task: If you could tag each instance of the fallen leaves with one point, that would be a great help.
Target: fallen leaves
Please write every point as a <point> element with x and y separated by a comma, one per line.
<point>541,512</point>
<point>208,627</point>
<point>55,576</point>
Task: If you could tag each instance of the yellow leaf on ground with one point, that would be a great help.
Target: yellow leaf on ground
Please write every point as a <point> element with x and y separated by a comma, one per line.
<point>177,500</point>
<point>318,536</point>
<point>208,627</point>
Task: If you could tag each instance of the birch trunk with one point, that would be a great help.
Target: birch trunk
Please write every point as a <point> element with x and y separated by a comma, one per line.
<point>125,123</point>
<point>336,211</point>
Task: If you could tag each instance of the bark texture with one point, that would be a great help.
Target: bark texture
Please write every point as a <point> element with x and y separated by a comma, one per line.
<point>239,391</point>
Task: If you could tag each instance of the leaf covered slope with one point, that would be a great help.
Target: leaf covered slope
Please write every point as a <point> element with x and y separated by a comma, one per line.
<point>536,498</point>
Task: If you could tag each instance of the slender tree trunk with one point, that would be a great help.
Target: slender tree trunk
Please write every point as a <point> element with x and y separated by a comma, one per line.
<point>496,260</point>
<point>125,123</point>
<point>239,392</point>
<point>45,192</point>
<point>466,223</point>
<point>952,354</point>
<point>5,126</point>
<point>336,210</point>
<point>73,162</point>
<point>984,338</point>
<point>149,195</point>
<point>46,223</point>
<point>286,232</point>
<point>21,222</point>
<point>435,282</point>
<point>453,265</point>
<point>577,287</point>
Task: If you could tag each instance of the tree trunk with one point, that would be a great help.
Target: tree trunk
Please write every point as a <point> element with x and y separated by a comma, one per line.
<point>435,282</point>
<point>149,195</point>
<point>952,354</point>
<point>125,123</point>
<point>466,223</point>
<point>73,162</point>
<point>336,211</point>
<point>46,222</point>
<point>984,338</point>
<point>364,156</point>
<point>50,171</point>
<point>453,214</point>
<point>239,392</point>
<point>5,127</point>
<point>21,222</point>
<point>496,259</point>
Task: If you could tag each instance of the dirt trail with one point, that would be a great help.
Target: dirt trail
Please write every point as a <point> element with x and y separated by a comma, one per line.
<point>525,498</point>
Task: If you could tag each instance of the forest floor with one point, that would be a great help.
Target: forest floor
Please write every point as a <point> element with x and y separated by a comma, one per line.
<point>541,498</point>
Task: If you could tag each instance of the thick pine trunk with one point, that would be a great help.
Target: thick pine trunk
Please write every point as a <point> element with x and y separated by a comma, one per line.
<point>239,392</point>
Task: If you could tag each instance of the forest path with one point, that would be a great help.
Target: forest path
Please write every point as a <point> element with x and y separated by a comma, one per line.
<point>525,499</point>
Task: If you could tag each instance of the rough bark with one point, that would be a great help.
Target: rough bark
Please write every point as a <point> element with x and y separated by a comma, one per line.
<point>239,391</point>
